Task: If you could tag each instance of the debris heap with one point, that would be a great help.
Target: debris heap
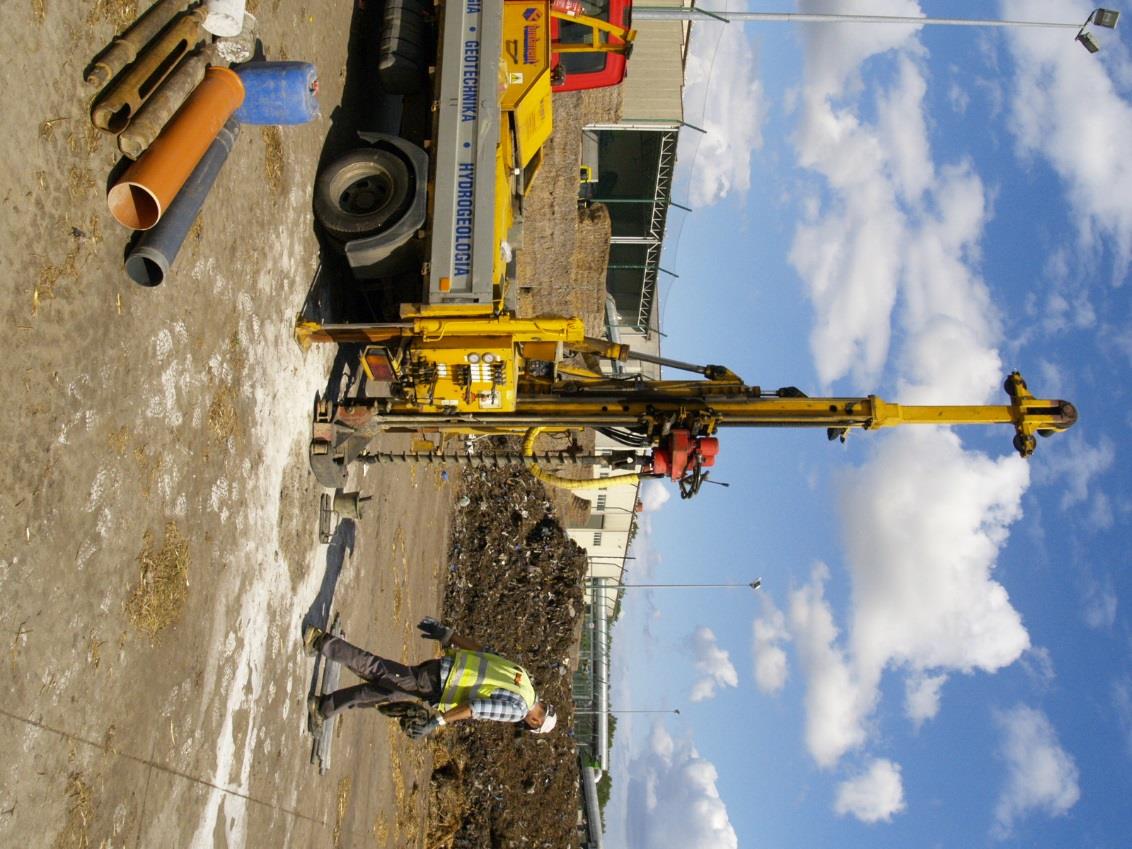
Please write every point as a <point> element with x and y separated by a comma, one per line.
<point>515,584</point>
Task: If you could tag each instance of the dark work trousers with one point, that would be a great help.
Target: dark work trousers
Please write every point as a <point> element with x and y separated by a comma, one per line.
<point>384,680</point>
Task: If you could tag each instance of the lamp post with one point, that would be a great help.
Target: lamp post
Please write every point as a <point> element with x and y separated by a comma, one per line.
<point>1106,18</point>
<point>1100,17</point>
<point>637,507</point>
<point>616,711</point>
<point>754,585</point>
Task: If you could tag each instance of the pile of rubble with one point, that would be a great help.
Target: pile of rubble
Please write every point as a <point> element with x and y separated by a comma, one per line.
<point>515,584</point>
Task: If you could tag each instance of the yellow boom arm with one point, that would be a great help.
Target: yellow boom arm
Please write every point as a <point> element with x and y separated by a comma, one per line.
<point>484,372</point>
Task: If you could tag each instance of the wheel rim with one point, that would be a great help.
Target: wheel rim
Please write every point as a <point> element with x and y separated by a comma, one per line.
<point>367,194</point>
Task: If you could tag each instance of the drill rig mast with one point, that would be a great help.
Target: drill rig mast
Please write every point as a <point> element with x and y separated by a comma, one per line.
<point>461,370</point>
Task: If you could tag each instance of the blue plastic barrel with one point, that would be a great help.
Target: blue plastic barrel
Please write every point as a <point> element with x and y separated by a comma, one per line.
<point>278,93</point>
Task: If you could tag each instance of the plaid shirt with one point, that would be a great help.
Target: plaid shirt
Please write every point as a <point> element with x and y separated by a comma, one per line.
<point>500,706</point>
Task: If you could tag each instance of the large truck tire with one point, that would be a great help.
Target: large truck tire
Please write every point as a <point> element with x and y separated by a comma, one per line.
<point>372,204</point>
<point>362,193</point>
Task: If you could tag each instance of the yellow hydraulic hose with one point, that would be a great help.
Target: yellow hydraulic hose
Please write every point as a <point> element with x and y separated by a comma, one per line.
<point>569,483</point>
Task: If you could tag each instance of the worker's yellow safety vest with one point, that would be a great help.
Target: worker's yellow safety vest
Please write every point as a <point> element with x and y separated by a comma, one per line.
<point>474,675</point>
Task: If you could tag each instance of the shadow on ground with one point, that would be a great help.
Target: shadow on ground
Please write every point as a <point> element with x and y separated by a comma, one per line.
<point>341,544</point>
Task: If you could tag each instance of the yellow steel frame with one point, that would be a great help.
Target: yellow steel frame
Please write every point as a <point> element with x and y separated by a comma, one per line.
<point>598,28</point>
<point>572,397</point>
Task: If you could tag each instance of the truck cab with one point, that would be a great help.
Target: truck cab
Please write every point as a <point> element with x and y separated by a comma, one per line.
<point>586,67</point>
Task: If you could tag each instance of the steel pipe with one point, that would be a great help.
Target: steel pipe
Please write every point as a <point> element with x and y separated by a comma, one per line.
<point>124,48</point>
<point>157,111</point>
<point>118,104</point>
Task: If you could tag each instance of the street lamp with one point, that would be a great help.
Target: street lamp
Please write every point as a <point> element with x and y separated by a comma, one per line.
<point>754,585</point>
<point>1100,17</point>
<point>1105,18</point>
<point>638,507</point>
<point>615,711</point>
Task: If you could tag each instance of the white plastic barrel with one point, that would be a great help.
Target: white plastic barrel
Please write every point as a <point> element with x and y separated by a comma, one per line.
<point>225,18</point>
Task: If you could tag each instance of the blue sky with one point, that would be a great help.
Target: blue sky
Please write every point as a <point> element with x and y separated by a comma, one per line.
<point>941,654</point>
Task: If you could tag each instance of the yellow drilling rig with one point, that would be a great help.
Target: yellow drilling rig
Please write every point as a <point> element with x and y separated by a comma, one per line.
<point>455,369</point>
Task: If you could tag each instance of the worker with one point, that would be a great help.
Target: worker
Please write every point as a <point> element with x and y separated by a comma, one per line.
<point>467,682</point>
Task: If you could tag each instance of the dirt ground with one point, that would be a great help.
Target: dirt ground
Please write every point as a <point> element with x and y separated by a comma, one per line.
<point>158,522</point>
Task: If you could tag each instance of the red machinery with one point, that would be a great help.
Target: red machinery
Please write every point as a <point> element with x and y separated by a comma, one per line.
<point>590,43</point>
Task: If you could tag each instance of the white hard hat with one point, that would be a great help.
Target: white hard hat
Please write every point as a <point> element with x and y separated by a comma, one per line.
<point>548,722</point>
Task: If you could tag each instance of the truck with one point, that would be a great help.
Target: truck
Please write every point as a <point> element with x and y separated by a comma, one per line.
<point>442,198</point>
<point>456,361</point>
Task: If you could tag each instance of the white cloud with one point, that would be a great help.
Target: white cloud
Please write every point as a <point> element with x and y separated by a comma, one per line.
<point>768,633</point>
<point>921,696</point>
<point>1100,517</point>
<point>1038,664</point>
<point>654,494</point>
<point>1100,603</point>
<point>835,703</point>
<point>889,227</point>
<point>845,257</point>
<point>958,98</point>
<point>888,252</point>
<point>1122,706</point>
<point>1068,311</point>
<point>1053,383</point>
<point>949,322</point>
<point>1040,775</point>
<point>922,556</point>
<point>721,57</point>
<point>673,802</point>
<point>1081,137</point>
<point>834,54</point>
<point>873,796</point>
<point>713,665</point>
<point>1121,339</point>
<point>923,600</point>
<point>1075,465</point>
<point>901,125</point>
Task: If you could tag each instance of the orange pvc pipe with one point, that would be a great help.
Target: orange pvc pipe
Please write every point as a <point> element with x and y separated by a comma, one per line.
<point>145,190</point>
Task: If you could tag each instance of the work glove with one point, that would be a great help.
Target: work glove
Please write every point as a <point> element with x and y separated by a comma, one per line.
<point>431,629</point>
<point>418,731</point>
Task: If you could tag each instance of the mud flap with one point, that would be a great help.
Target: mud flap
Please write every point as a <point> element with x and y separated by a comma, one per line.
<point>394,248</point>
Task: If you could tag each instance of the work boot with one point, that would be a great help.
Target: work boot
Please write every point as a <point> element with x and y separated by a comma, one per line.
<point>313,637</point>
<point>314,715</point>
